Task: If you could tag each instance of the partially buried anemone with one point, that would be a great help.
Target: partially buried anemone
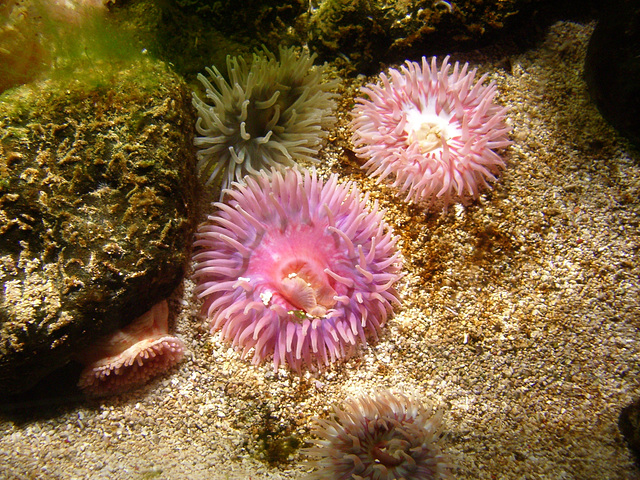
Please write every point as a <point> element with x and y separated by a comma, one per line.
<point>434,132</point>
<point>271,112</point>
<point>388,436</point>
<point>296,269</point>
<point>131,356</point>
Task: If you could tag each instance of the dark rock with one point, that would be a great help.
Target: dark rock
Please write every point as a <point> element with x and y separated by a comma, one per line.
<point>367,34</point>
<point>192,34</point>
<point>612,67</point>
<point>629,424</point>
<point>97,209</point>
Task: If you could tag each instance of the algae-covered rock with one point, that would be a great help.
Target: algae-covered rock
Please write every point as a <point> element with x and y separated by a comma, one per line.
<point>369,33</point>
<point>96,206</point>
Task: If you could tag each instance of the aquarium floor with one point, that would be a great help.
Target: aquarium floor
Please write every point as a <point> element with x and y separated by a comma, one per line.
<point>519,319</point>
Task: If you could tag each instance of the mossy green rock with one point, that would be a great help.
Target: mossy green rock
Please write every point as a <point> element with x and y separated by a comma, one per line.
<point>97,211</point>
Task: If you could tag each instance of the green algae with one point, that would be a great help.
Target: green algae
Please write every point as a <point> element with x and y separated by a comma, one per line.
<point>275,445</point>
<point>150,474</point>
<point>63,43</point>
<point>275,440</point>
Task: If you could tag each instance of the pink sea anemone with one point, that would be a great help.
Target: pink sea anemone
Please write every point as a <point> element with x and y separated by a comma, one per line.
<point>296,268</point>
<point>432,130</point>
<point>383,437</point>
<point>131,356</point>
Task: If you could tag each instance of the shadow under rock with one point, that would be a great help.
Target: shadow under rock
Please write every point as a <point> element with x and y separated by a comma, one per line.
<point>53,395</point>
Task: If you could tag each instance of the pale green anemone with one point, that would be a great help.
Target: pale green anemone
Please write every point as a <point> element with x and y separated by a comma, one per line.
<point>269,113</point>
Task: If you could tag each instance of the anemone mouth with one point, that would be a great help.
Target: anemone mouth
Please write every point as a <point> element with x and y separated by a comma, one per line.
<point>386,456</point>
<point>391,447</point>
<point>306,286</point>
<point>429,137</point>
<point>428,130</point>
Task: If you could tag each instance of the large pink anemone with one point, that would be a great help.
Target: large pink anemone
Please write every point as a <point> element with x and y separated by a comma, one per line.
<point>433,131</point>
<point>296,269</point>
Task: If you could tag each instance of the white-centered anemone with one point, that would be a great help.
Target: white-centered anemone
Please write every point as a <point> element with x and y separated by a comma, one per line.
<point>433,132</point>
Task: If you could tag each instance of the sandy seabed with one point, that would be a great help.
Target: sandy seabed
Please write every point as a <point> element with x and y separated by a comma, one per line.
<point>519,317</point>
